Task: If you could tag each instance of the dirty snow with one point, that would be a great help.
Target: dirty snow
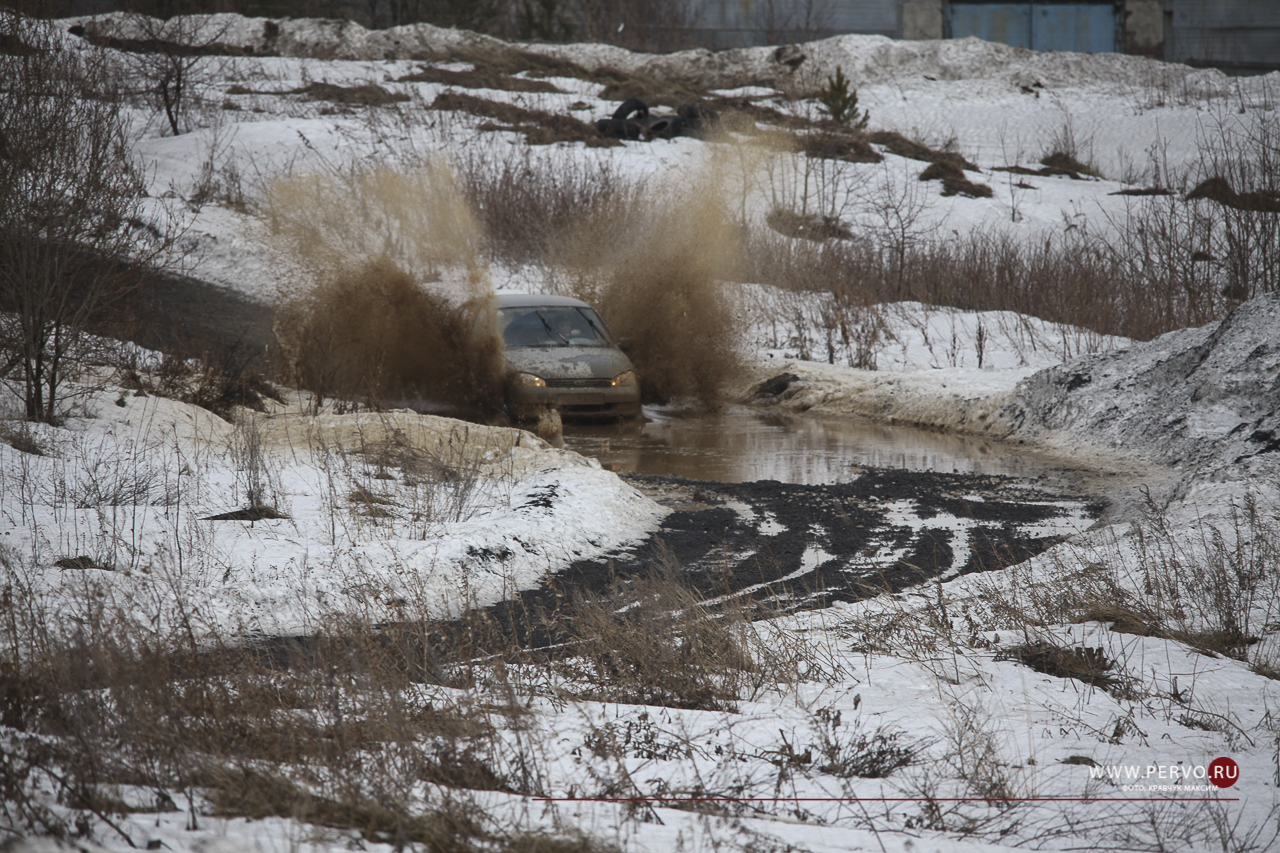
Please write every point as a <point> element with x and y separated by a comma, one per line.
<point>1194,412</point>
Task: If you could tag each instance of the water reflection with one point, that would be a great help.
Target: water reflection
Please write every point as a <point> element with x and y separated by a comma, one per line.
<point>742,445</point>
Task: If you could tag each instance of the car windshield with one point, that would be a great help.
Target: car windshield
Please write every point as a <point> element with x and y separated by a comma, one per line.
<point>553,326</point>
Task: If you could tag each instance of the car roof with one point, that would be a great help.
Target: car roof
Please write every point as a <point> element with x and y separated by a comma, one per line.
<point>537,300</point>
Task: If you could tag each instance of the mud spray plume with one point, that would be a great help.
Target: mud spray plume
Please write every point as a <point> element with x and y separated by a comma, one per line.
<point>655,263</point>
<point>388,301</point>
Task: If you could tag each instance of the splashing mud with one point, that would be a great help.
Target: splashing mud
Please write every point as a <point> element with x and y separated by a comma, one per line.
<point>653,262</point>
<point>388,300</point>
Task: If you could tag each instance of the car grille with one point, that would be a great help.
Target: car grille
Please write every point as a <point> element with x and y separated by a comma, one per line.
<point>579,383</point>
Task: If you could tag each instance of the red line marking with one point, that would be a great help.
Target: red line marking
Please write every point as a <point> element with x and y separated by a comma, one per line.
<point>886,799</point>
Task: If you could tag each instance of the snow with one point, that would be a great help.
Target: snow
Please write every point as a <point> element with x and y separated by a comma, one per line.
<point>1189,418</point>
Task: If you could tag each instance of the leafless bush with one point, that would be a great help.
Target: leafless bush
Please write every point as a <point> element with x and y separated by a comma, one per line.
<point>74,228</point>
<point>525,205</point>
<point>222,379</point>
<point>1246,243</point>
<point>848,751</point>
<point>1073,279</point>
<point>175,59</point>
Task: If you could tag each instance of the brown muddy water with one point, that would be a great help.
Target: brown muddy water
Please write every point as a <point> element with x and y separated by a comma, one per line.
<point>740,445</point>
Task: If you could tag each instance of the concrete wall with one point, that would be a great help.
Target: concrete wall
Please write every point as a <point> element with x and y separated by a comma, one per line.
<point>922,19</point>
<point>1241,35</point>
<point>1144,27</point>
<point>744,23</point>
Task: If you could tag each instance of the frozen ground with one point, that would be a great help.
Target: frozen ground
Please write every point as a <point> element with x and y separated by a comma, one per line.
<point>387,512</point>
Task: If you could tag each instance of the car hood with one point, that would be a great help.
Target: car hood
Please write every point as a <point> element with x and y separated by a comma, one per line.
<point>568,362</point>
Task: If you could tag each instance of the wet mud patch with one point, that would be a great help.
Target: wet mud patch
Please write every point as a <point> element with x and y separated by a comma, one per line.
<point>807,546</point>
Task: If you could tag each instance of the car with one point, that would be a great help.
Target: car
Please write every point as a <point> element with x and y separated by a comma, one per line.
<point>561,355</point>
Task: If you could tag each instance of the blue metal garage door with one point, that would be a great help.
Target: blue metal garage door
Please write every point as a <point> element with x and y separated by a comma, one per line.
<point>1080,27</point>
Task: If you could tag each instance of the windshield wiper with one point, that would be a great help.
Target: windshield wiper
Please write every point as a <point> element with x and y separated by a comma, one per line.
<point>549,329</point>
<point>599,334</point>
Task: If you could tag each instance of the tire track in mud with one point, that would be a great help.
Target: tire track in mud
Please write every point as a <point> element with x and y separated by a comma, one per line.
<point>807,546</point>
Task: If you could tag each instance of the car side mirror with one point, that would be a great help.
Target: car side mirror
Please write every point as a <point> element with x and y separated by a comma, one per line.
<point>625,344</point>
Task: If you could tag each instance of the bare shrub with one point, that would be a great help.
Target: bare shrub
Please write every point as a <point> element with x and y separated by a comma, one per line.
<point>1073,280</point>
<point>75,235</point>
<point>222,379</point>
<point>332,729</point>
<point>654,267</point>
<point>1212,587</point>
<point>653,640</point>
<point>848,751</point>
<point>526,203</point>
<point>22,438</point>
<point>1247,159</point>
<point>173,58</point>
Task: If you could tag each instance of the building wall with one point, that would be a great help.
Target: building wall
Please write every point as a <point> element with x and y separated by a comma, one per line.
<point>744,23</point>
<point>1239,35</point>
<point>1144,27</point>
<point>922,19</point>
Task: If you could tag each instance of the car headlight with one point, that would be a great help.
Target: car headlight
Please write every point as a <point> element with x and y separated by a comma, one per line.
<point>528,380</point>
<point>623,380</point>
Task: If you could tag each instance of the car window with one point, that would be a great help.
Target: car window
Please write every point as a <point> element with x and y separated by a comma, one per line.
<point>553,326</point>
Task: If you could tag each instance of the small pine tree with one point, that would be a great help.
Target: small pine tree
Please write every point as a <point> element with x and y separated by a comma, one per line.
<point>840,102</point>
<point>544,20</point>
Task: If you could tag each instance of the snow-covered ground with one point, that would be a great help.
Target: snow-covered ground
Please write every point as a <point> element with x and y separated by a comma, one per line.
<point>392,513</point>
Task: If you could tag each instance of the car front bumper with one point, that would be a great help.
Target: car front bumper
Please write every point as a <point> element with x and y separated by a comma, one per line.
<point>585,401</point>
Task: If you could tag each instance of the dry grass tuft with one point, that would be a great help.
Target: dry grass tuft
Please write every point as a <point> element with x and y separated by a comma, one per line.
<point>954,181</point>
<point>479,78</point>
<point>538,126</point>
<point>526,203</point>
<point>838,146</point>
<point>21,437</point>
<point>366,95</point>
<point>651,640</point>
<point>898,144</point>
<point>1089,665</point>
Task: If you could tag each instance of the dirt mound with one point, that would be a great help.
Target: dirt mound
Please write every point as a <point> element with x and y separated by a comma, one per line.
<point>538,126</point>
<point>807,226</point>
<point>1056,163</point>
<point>954,181</point>
<point>909,148</point>
<point>836,146</point>
<point>1219,189</point>
<point>367,95</point>
<point>1204,400</point>
<point>866,59</point>
<point>481,77</point>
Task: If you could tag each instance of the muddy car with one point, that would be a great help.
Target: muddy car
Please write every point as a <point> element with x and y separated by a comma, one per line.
<point>561,355</point>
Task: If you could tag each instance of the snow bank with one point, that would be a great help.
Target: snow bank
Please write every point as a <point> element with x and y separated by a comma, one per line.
<point>1205,400</point>
<point>130,505</point>
<point>866,59</point>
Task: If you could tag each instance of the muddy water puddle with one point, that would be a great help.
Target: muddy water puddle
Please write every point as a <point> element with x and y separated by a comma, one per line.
<point>740,445</point>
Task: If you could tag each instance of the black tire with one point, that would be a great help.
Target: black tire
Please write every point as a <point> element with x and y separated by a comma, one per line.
<point>666,127</point>
<point>629,106</point>
<point>619,129</point>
